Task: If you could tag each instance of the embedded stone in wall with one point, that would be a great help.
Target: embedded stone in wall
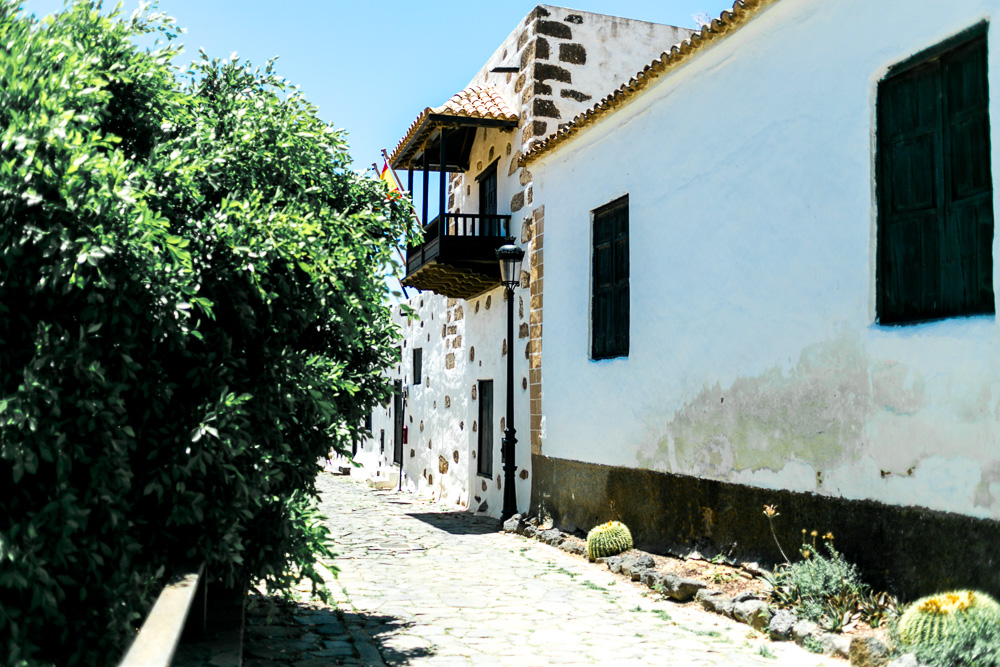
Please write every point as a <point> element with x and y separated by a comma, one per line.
<point>454,455</point>
<point>421,425</point>
<point>523,474</point>
<point>499,483</point>
<point>517,202</point>
<point>451,201</point>
<point>535,128</point>
<point>537,49</point>
<point>573,53</point>
<point>449,361</point>
<point>442,465</point>
<point>524,177</point>
<point>452,302</point>
<point>512,167</point>
<point>447,401</point>
<point>527,198</point>
<point>458,342</point>
<point>477,306</point>
<point>545,72</point>
<point>522,331</point>
<point>507,150</point>
<point>429,444</point>
<point>545,108</point>
<point>503,423</point>
<point>553,29</point>
<point>526,230</point>
<point>504,351</point>
<point>484,485</point>
<point>468,190</point>
<point>527,350</point>
<point>472,354</point>
<point>452,330</point>
<point>459,314</point>
<point>520,300</point>
<point>524,383</point>
<point>574,18</point>
<point>519,84</point>
<point>430,479</point>
<point>412,453</point>
<point>573,95</point>
<point>444,330</point>
<point>461,426</point>
<point>523,38</point>
<point>489,298</point>
<point>492,151</point>
<point>473,393</point>
<point>475,426</point>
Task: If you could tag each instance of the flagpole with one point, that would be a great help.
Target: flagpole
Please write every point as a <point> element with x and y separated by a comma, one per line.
<point>398,253</point>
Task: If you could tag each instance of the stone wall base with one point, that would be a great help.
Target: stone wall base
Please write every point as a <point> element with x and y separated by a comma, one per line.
<point>909,551</point>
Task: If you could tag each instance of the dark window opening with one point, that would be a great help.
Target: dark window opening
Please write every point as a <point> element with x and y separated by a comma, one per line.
<point>381,441</point>
<point>488,190</point>
<point>934,255</point>
<point>610,302</point>
<point>418,364</point>
<point>484,453</point>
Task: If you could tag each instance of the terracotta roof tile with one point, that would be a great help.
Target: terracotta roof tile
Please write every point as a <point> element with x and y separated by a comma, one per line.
<point>728,22</point>
<point>483,102</point>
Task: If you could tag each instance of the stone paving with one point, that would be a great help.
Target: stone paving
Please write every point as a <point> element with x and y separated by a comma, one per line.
<point>421,583</point>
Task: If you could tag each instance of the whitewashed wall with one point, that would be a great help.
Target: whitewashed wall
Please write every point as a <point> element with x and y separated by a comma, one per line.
<point>440,413</point>
<point>754,354</point>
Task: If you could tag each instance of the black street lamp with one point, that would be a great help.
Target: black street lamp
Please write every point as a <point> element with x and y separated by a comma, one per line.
<point>510,257</point>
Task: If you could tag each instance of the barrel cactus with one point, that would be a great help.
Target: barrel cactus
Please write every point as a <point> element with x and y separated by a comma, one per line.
<point>958,616</point>
<point>608,539</point>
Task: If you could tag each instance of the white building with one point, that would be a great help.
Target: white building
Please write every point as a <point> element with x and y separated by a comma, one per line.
<point>551,68</point>
<point>770,278</point>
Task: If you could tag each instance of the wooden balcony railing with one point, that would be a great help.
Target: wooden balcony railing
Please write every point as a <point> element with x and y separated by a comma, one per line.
<point>462,237</point>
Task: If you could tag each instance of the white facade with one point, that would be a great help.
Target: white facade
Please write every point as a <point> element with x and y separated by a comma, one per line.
<point>566,59</point>
<point>755,357</point>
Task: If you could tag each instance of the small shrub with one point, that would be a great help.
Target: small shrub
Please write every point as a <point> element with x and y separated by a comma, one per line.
<point>954,629</point>
<point>608,539</point>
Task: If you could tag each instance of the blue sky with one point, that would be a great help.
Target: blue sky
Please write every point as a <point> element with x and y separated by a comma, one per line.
<point>372,67</point>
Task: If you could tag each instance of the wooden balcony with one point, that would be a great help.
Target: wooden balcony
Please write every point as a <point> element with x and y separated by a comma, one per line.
<point>458,258</point>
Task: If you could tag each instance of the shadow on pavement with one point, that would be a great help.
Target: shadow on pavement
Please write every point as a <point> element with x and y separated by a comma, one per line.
<point>309,634</point>
<point>459,523</point>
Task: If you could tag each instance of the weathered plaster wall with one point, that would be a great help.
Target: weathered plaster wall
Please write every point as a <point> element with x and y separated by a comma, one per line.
<point>565,58</point>
<point>754,355</point>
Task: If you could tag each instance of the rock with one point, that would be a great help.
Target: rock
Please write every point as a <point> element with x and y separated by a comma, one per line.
<point>754,568</point>
<point>515,524</point>
<point>551,536</point>
<point>868,652</point>
<point>614,563</point>
<point>628,564</point>
<point>529,531</point>
<point>680,589</point>
<point>835,644</point>
<point>714,601</point>
<point>574,547</point>
<point>652,579</point>
<point>645,561</point>
<point>754,613</point>
<point>803,629</point>
<point>568,528</point>
<point>743,597</point>
<point>780,626</point>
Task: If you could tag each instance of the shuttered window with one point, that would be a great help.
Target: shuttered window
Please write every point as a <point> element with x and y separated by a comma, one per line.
<point>484,453</point>
<point>934,183</point>
<point>610,305</point>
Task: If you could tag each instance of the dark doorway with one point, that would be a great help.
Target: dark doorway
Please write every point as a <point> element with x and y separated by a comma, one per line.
<point>484,455</point>
<point>397,415</point>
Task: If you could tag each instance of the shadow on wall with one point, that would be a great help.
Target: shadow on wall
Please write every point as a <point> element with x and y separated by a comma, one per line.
<point>907,550</point>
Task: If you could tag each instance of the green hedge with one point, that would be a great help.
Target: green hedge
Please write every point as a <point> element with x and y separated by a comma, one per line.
<point>192,312</point>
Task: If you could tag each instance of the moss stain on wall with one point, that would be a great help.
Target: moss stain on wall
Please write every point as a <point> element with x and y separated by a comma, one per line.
<point>814,413</point>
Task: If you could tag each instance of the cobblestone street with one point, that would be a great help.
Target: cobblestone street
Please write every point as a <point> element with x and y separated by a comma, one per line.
<point>423,584</point>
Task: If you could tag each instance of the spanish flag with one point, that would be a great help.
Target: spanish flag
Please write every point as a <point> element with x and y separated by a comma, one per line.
<point>389,179</point>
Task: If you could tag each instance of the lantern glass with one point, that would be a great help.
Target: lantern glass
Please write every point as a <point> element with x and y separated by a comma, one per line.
<point>510,257</point>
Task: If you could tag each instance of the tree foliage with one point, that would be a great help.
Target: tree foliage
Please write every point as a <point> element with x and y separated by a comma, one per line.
<point>191,314</point>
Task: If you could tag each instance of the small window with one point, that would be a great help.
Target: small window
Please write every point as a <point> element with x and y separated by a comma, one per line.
<point>935,186</point>
<point>418,364</point>
<point>488,190</point>
<point>484,453</point>
<point>610,302</point>
<point>381,441</point>
<point>368,422</point>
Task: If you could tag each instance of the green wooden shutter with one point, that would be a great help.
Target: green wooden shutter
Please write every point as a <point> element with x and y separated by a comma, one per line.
<point>935,226</point>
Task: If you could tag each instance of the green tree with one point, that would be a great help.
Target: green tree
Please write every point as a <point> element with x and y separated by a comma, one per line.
<point>192,313</point>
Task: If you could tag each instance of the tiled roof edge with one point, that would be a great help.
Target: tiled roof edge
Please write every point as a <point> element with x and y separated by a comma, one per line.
<point>729,21</point>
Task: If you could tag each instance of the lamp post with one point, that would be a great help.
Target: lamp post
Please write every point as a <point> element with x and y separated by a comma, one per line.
<point>510,257</point>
